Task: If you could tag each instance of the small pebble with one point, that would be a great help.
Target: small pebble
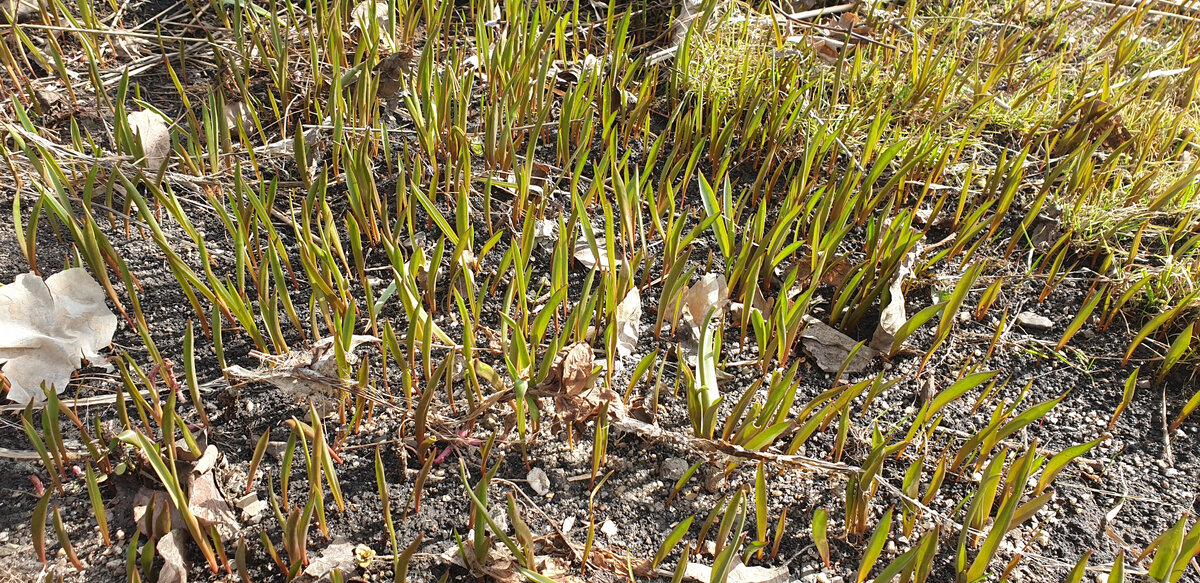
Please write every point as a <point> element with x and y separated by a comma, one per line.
<point>672,469</point>
<point>609,528</point>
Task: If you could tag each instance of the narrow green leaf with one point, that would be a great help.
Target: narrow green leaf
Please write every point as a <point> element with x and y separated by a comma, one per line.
<point>1058,462</point>
<point>40,510</point>
<point>875,547</point>
<point>1168,551</point>
<point>1179,347</point>
<point>672,539</point>
<point>820,524</point>
<point>1080,318</point>
<point>957,390</point>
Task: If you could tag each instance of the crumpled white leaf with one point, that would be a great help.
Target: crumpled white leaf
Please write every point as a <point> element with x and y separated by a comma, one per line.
<point>360,19</point>
<point>338,555</point>
<point>171,549</point>
<point>629,322</point>
<point>360,16</point>
<point>545,233</point>
<point>710,291</point>
<point>48,327</point>
<point>738,573</point>
<point>154,134</point>
<point>892,316</point>
<point>305,374</point>
<point>209,507</point>
<point>585,256</point>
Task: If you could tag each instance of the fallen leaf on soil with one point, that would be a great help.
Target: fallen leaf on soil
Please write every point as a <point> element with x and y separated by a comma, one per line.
<point>629,323</point>
<point>557,570</point>
<point>451,556</point>
<point>360,16</point>
<point>252,508</point>
<point>209,507</point>
<point>153,515</point>
<point>304,374</point>
<point>585,256</point>
<point>830,347</point>
<point>761,304</point>
<point>545,233</point>
<point>23,10</point>
<point>710,291</point>
<point>47,328</point>
<point>576,396</point>
<point>500,567</point>
<point>235,112</point>
<point>576,368</point>
<point>1048,227</point>
<point>171,549</point>
<point>848,28</point>
<point>360,19</point>
<point>154,134</point>
<point>207,460</point>
<point>1099,114</point>
<point>391,70</point>
<point>539,481</point>
<point>826,49</point>
<point>892,316</point>
<point>128,47</point>
<point>739,573</point>
<point>338,555</point>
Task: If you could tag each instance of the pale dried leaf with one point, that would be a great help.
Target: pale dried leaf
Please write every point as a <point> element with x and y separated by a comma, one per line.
<point>893,315</point>
<point>207,460</point>
<point>578,397</point>
<point>739,573</point>
<point>826,49</point>
<point>128,47</point>
<point>711,291</point>
<point>360,16</point>
<point>576,368</point>
<point>557,570</point>
<point>48,327</point>
<point>235,112</point>
<point>539,481</point>
<point>142,506</point>
<point>360,19</point>
<point>171,549</point>
<point>338,555</point>
<point>209,507</point>
<point>761,304</point>
<point>305,374</point>
<point>629,323</point>
<point>252,508</point>
<point>585,256</point>
<point>154,134</point>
